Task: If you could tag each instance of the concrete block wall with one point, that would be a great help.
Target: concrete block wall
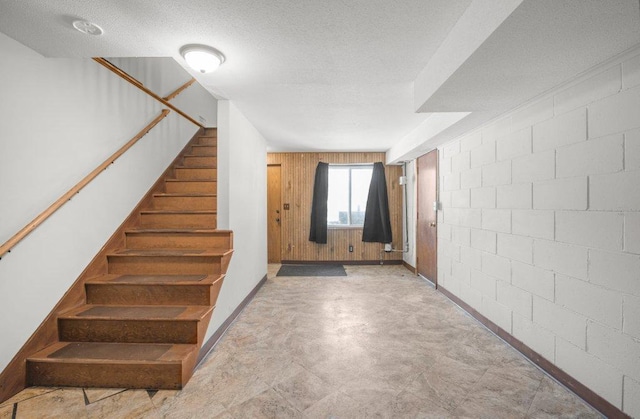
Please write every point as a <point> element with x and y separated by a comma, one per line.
<point>540,227</point>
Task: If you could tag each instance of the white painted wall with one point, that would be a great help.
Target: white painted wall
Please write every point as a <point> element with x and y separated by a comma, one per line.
<point>60,118</point>
<point>421,139</point>
<point>474,27</point>
<point>410,209</point>
<point>199,104</point>
<point>242,207</point>
<point>163,75</point>
<point>540,228</point>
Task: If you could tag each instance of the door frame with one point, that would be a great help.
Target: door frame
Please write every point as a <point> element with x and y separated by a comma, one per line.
<point>437,212</point>
<point>269,215</point>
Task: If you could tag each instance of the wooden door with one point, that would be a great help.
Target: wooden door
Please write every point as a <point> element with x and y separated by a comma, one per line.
<point>426,227</point>
<point>274,213</point>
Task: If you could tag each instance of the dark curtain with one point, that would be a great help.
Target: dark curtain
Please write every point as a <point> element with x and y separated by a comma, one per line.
<point>377,224</point>
<point>318,231</point>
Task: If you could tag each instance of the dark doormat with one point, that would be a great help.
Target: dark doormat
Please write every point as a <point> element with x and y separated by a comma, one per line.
<point>312,270</point>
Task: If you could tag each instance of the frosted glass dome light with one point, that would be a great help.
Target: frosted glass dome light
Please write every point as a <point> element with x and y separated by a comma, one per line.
<point>202,58</point>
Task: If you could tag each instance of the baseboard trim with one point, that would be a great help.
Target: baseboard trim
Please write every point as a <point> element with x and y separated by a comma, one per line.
<point>213,340</point>
<point>341,262</point>
<point>409,267</point>
<point>588,395</point>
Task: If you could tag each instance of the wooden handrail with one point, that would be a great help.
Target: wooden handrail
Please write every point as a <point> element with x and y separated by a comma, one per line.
<point>140,86</point>
<point>180,89</point>
<point>9,244</point>
<point>125,75</point>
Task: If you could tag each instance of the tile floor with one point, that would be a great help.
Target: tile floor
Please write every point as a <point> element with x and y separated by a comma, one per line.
<point>379,343</point>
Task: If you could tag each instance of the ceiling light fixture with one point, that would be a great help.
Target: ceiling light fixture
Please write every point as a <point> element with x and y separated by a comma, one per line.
<point>202,58</point>
<point>87,27</point>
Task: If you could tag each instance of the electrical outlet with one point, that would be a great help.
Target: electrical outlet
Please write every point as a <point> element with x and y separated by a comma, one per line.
<point>350,249</point>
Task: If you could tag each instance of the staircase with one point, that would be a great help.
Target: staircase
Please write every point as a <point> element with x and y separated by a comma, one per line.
<point>143,321</point>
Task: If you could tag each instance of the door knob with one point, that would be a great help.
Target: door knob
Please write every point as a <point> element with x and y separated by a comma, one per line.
<point>432,224</point>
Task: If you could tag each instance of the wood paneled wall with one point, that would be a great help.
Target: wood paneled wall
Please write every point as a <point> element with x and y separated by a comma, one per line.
<point>298,173</point>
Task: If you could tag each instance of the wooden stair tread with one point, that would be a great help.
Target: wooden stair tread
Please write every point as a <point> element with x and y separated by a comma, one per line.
<point>185,194</point>
<point>154,279</point>
<point>178,237</point>
<point>146,312</point>
<point>201,155</point>
<point>112,364</point>
<point>170,252</point>
<point>100,352</point>
<point>161,211</point>
<point>190,180</point>
<point>154,290</point>
<point>180,230</point>
<point>208,166</point>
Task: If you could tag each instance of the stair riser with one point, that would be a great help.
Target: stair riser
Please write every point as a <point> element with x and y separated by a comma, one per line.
<point>206,173</point>
<point>128,331</point>
<point>206,221</point>
<point>137,294</point>
<point>179,240</point>
<point>204,150</point>
<point>128,375</point>
<point>212,141</point>
<point>185,202</point>
<point>191,187</point>
<point>200,161</point>
<point>164,265</point>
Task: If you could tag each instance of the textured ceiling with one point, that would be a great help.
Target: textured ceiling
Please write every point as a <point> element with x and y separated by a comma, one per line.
<point>330,74</point>
<point>349,74</point>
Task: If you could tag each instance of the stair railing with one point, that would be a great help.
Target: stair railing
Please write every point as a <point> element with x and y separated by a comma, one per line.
<point>16,238</point>
<point>140,86</point>
<point>9,244</point>
<point>179,90</point>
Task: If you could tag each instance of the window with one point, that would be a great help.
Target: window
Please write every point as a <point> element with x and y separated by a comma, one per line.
<point>348,192</point>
